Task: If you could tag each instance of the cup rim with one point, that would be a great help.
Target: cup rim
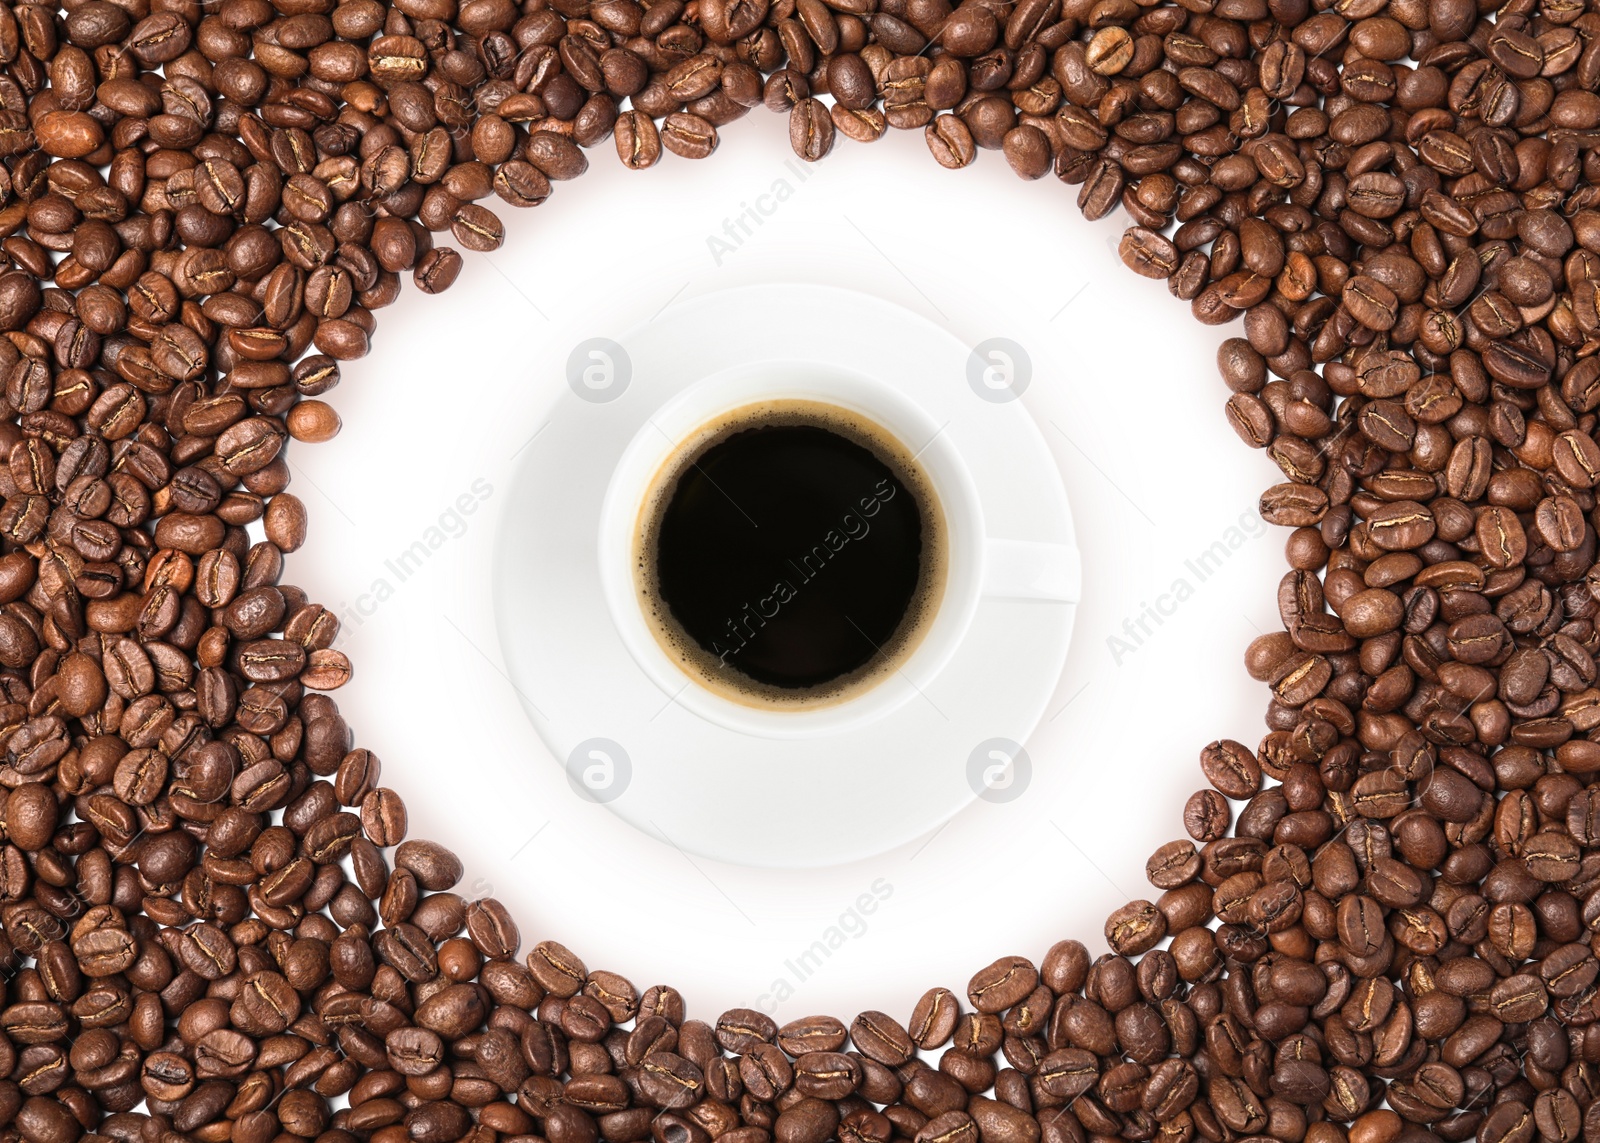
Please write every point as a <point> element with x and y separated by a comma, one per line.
<point>752,382</point>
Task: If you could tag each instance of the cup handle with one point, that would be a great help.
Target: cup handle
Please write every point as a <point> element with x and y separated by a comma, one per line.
<point>1026,569</point>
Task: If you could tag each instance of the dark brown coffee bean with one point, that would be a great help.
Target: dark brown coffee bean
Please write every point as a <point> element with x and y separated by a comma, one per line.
<point>638,141</point>
<point>688,136</point>
<point>1027,149</point>
<point>1231,768</point>
<point>477,228</point>
<point>435,867</point>
<point>951,142</point>
<point>880,1037</point>
<point>810,130</point>
<point>437,270</point>
<point>1002,984</point>
<point>556,969</point>
<point>850,82</point>
<point>1147,253</point>
<point>864,126</point>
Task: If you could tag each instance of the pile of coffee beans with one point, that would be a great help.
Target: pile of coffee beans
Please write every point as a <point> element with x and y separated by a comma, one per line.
<point>1383,923</point>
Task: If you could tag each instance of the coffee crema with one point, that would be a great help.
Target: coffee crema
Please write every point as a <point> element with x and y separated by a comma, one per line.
<point>790,553</point>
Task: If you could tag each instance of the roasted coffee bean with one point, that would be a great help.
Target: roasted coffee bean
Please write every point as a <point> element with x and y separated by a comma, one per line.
<point>951,142</point>
<point>880,1037</point>
<point>638,141</point>
<point>810,130</point>
<point>689,136</point>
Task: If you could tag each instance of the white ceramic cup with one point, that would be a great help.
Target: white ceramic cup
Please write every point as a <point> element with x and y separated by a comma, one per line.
<point>978,566</point>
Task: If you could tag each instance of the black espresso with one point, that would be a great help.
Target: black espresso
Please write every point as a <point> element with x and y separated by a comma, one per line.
<point>792,553</point>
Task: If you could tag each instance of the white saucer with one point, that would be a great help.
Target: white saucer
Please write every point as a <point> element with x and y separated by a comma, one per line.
<point>699,786</point>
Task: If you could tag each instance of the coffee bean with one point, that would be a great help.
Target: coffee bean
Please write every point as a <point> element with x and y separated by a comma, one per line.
<point>1002,1123</point>
<point>669,1081</point>
<point>31,815</point>
<point>864,126</point>
<point>812,1034</point>
<point>806,1121</point>
<point>850,81</point>
<point>476,228</point>
<point>413,1051</point>
<point>69,134</point>
<point>880,1037</point>
<point>1027,149</point>
<point>555,155</point>
<point>971,31</point>
<point>1002,984</point>
<point>689,136</point>
<point>556,969</point>
<point>1231,767</point>
<point>933,1020</point>
<point>1135,928</point>
<point>1148,253</point>
<point>810,130</point>
<point>638,141</point>
<point>951,142</point>
<point>435,867</point>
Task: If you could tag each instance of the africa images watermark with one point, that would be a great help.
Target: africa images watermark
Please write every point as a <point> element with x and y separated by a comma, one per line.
<point>742,628</point>
<point>599,370</point>
<point>737,229</point>
<point>599,770</point>
<point>850,925</point>
<point>999,770</point>
<point>999,370</point>
<point>450,525</point>
<point>1137,629</point>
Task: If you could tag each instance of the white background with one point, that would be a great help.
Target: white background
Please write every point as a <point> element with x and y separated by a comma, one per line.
<point>1126,393</point>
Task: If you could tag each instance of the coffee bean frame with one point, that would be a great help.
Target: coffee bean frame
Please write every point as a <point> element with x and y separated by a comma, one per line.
<point>1381,924</point>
